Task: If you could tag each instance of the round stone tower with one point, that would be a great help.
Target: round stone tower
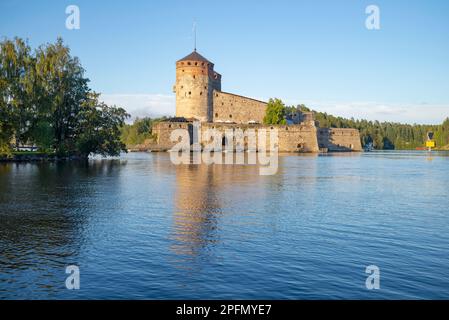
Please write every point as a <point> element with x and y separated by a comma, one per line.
<point>196,81</point>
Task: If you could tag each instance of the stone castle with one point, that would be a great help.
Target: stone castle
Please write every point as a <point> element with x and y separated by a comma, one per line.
<point>199,98</point>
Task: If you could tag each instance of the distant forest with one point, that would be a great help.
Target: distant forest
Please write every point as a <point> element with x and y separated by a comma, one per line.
<point>387,135</point>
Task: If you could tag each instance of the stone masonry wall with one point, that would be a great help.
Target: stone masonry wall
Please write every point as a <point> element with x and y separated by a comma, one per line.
<point>297,138</point>
<point>339,139</point>
<point>293,138</point>
<point>163,131</point>
<point>195,84</point>
<point>234,108</point>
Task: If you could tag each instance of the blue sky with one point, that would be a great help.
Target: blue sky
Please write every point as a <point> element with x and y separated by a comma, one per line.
<point>314,52</point>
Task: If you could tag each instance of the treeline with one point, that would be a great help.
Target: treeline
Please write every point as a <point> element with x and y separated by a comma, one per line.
<point>139,131</point>
<point>387,135</point>
<point>45,101</point>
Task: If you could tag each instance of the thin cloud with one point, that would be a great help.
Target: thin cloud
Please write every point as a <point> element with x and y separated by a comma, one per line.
<point>143,105</point>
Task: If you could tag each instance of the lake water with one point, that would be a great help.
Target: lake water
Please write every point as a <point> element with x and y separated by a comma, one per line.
<point>143,228</point>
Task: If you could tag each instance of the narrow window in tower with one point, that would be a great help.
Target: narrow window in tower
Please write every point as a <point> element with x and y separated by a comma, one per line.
<point>230,116</point>
<point>189,63</point>
<point>196,63</point>
<point>216,115</point>
<point>205,87</point>
<point>190,92</point>
<point>201,93</point>
<point>194,77</point>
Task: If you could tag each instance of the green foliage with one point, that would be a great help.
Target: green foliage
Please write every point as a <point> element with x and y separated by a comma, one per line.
<point>141,130</point>
<point>61,90</point>
<point>43,134</point>
<point>6,129</point>
<point>99,128</point>
<point>45,100</point>
<point>275,112</point>
<point>5,150</point>
<point>303,108</point>
<point>16,87</point>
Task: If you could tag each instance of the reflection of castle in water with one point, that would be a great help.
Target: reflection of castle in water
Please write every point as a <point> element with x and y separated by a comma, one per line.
<point>199,201</point>
<point>196,208</point>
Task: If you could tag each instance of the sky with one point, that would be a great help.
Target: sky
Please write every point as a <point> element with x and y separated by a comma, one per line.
<point>318,52</point>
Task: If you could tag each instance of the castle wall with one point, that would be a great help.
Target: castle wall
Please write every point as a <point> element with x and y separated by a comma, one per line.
<point>339,139</point>
<point>162,130</point>
<point>234,108</point>
<point>296,138</point>
<point>199,96</point>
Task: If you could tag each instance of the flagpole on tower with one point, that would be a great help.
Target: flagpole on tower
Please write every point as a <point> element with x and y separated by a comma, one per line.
<point>194,35</point>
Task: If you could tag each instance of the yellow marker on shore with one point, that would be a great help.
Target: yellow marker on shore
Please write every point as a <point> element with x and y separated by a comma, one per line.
<point>430,143</point>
